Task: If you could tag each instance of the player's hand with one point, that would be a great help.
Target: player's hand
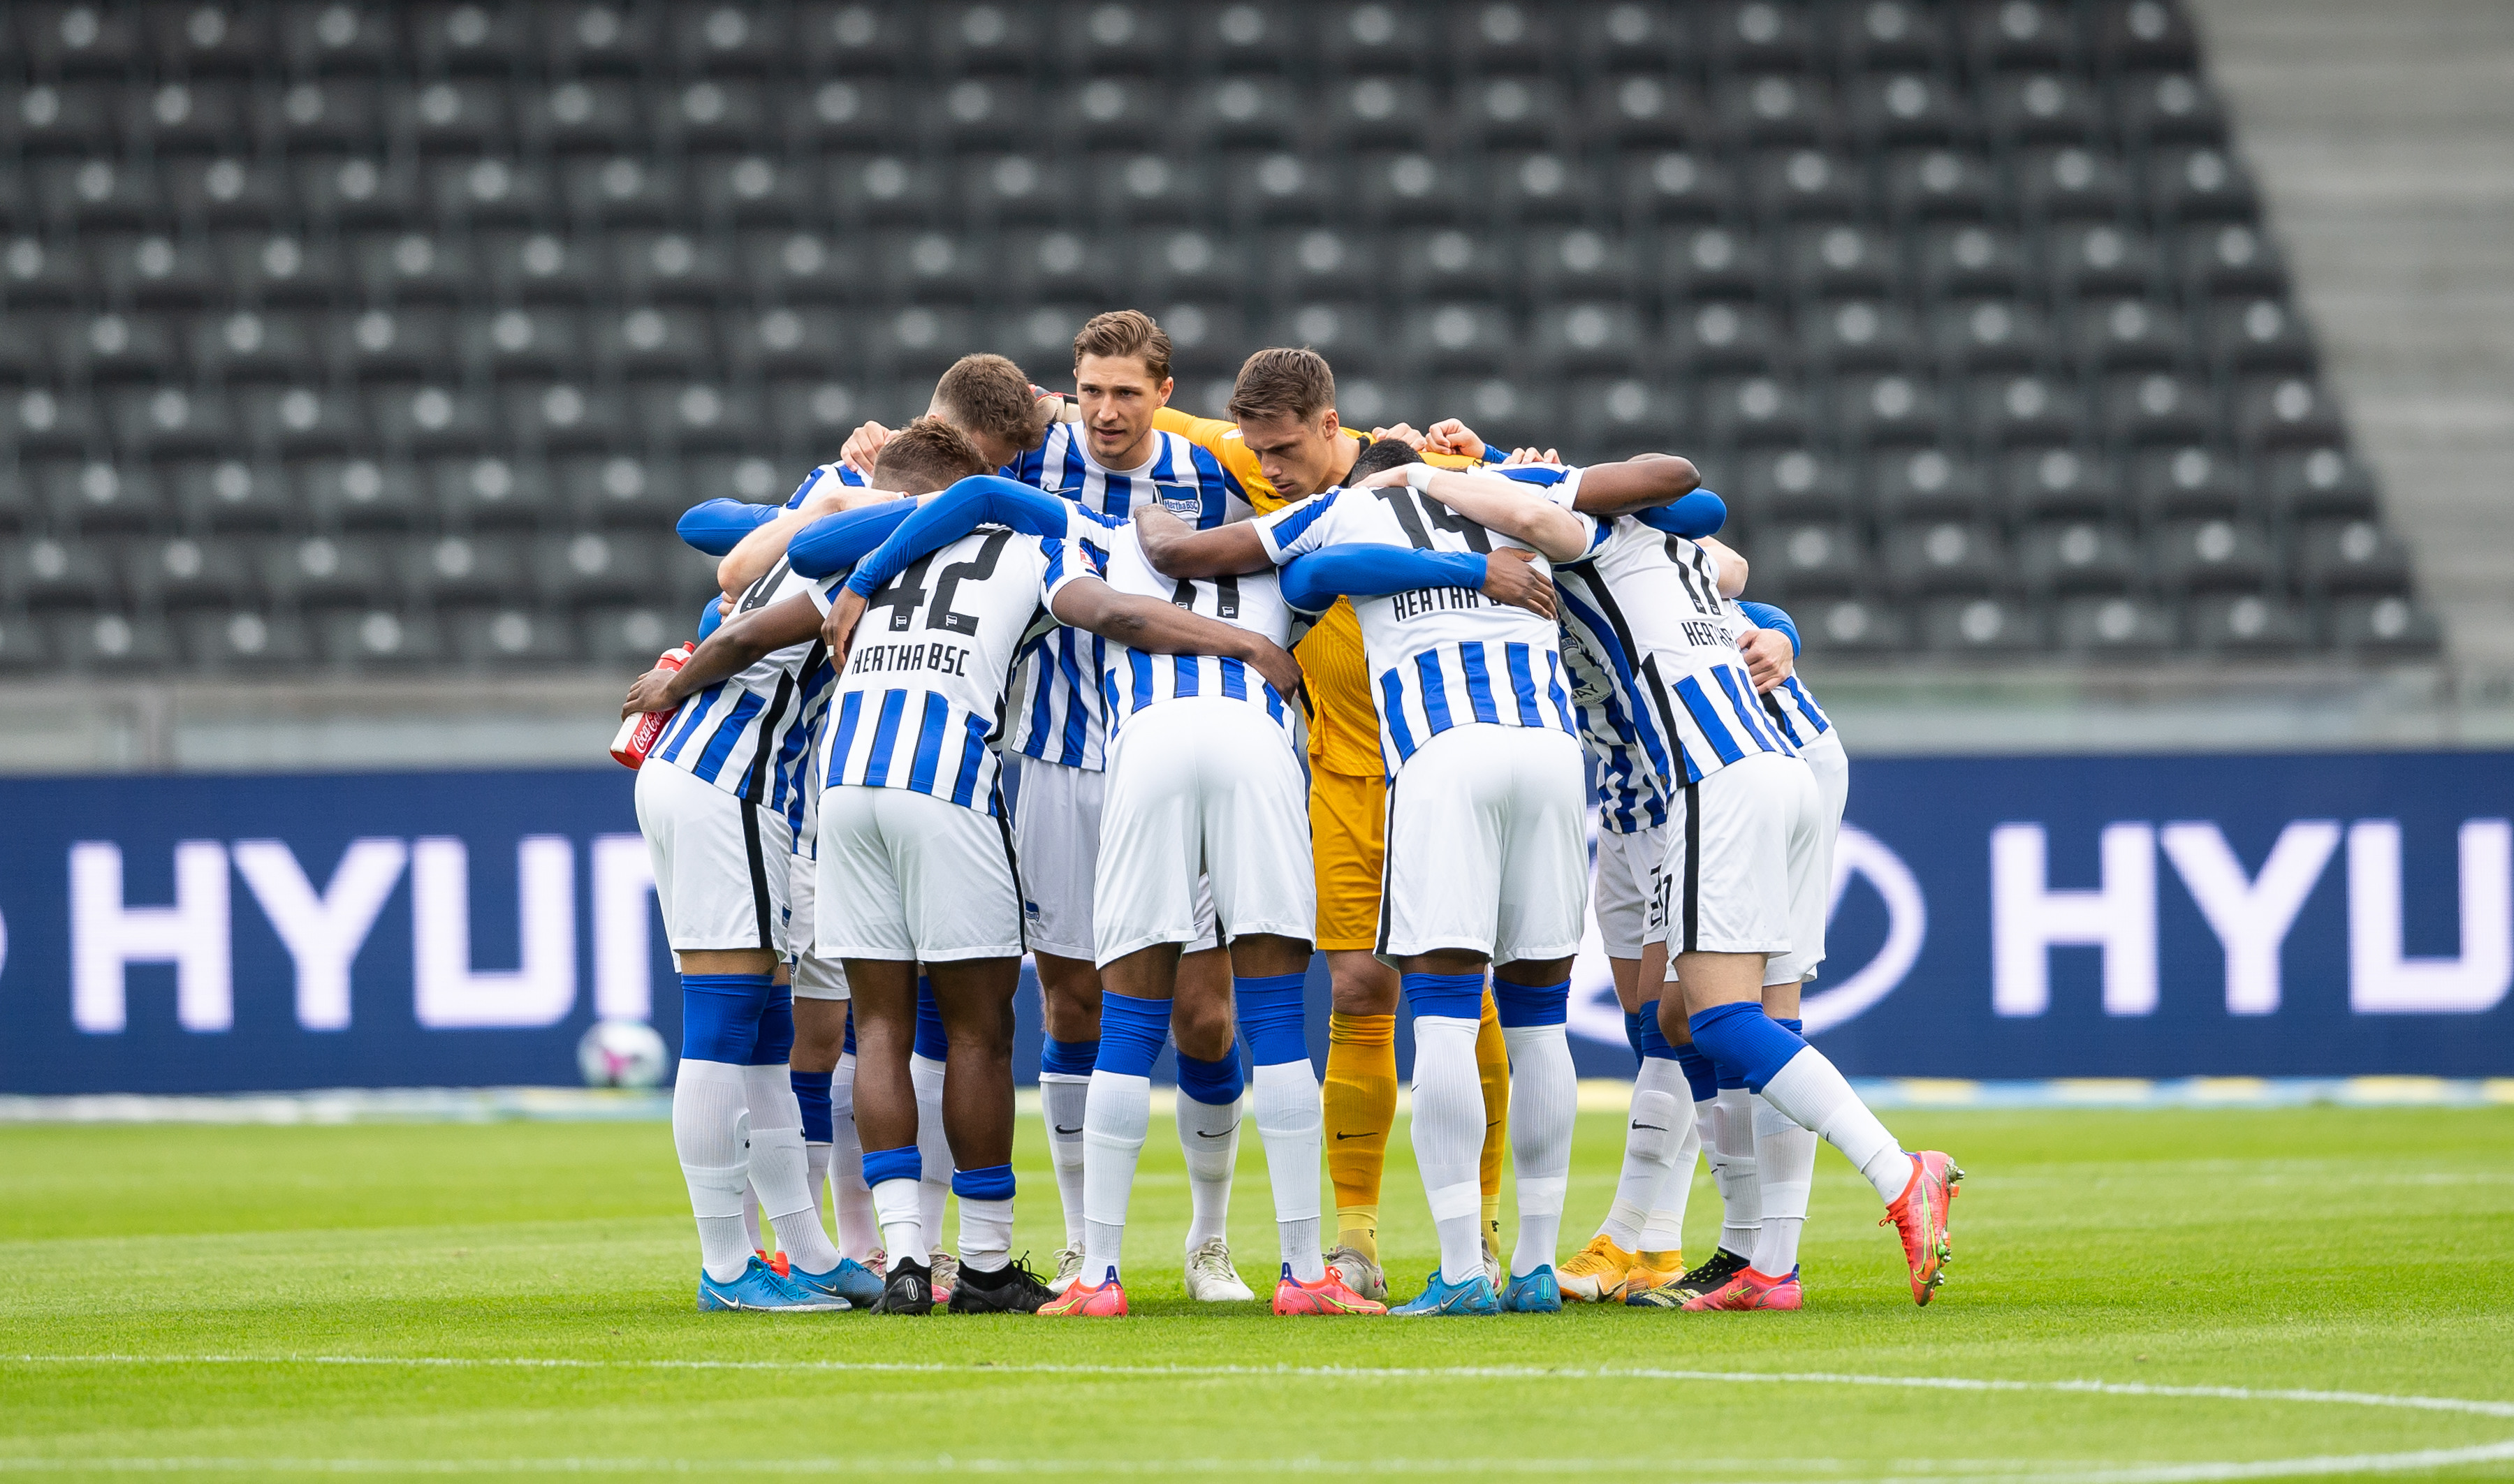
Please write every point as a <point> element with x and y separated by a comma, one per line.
<point>1401,432</point>
<point>838,628</point>
<point>1451,435</point>
<point>1384,478</point>
<point>1519,456</point>
<point>1510,577</point>
<point>653,692</point>
<point>1276,664</point>
<point>1769,659</point>
<point>862,447</point>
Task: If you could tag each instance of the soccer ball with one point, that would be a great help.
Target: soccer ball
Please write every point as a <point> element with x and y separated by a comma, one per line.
<point>620,1054</point>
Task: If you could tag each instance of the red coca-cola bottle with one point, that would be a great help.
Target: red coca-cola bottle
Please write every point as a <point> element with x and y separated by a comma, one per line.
<point>638,733</point>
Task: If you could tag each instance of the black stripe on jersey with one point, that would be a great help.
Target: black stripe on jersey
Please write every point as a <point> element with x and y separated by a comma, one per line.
<point>1012,861</point>
<point>757,776</point>
<point>1666,709</point>
<point>1692,865</point>
<point>758,873</point>
<point>1387,858</point>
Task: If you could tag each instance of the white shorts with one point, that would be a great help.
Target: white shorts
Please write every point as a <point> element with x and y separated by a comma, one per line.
<point>1831,766</point>
<point>1056,838</point>
<point>1741,869</point>
<point>1487,847</point>
<point>1626,884</point>
<point>1197,787</point>
<point>815,978</point>
<point>720,864</point>
<point>908,876</point>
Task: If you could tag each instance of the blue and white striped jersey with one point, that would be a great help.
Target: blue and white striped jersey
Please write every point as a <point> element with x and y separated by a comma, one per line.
<point>813,480</point>
<point>922,704</point>
<point>1656,607</point>
<point>1057,709</point>
<point>1791,705</point>
<point>1628,757</point>
<point>1130,680</point>
<point>751,734</point>
<point>1439,657</point>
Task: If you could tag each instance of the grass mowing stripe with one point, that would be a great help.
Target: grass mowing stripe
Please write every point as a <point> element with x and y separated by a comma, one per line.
<point>2159,1473</point>
<point>2465,1405</point>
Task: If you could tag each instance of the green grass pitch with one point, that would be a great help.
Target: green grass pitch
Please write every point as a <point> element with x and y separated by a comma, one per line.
<point>2138,1298</point>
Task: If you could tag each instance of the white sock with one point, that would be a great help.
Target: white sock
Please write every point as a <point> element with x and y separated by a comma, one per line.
<point>777,1168</point>
<point>1115,1121</point>
<point>1544,1105</point>
<point>1283,1098</point>
<point>933,1148</point>
<point>1449,1139</point>
<point>816,1172</point>
<point>1062,1097</point>
<point>1733,1168</point>
<point>859,1234</point>
<point>751,1218</point>
<point>1811,1092</point>
<point>711,1135</point>
<point>1209,1137</point>
<point>1654,1129</point>
<point>1664,1231</point>
<point>986,1234</point>
<point>897,1206</point>
<point>1785,1161</point>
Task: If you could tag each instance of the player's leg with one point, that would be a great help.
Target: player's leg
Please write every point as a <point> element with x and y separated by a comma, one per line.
<point>1785,1152</point>
<point>1492,1078</point>
<point>779,1166</point>
<point>859,1234</point>
<point>1543,900</point>
<point>1056,840</point>
<point>1358,1094</point>
<point>1210,1086</point>
<point>1447,812</point>
<point>820,1043</point>
<point>1766,823</point>
<point>1660,1260</point>
<point>726,947</point>
<point>925,1066</point>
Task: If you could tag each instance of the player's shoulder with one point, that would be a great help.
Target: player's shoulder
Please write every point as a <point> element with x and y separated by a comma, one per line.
<point>827,474</point>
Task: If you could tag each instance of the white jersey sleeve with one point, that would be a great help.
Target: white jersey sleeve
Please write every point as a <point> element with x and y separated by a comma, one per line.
<point>749,733</point>
<point>1132,680</point>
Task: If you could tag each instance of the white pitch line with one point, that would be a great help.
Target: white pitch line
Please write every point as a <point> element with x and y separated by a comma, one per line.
<point>2160,1473</point>
<point>2468,1405</point>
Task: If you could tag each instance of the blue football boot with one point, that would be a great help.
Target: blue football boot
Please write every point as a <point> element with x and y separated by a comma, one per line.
<point>1474,1297</point>
<point>760,1288</point>
<point>1533,1293</point>
<point>850,1281</point>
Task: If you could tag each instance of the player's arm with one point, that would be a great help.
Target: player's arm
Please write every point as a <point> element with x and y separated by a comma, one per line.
<point>1205,432</point>
<point>1697,515</point>
<point>1312,583</point>
<point>716,526</point>
<point>1733,567</point>
<point>751,557</point>
<point>1771,646</point>
<point>1155,627</point>
<point>1500,504</point>
<point>980,500</point>
<point>738,644</point>
<point>836,542</point>
<point>1635,484</point>
<point>1177,549</point>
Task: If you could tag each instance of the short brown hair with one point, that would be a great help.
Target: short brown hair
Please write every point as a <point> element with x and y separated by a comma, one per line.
<point>927,454</point>
<point>989,395</point>
<point>1123,333</point>
<point>1281,381</point>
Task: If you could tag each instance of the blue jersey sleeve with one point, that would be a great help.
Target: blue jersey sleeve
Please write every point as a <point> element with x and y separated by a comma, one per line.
<point>1698,514</point>
<point>1765,616</point>
<point>835,543</point>
<point>981,499</point>
<point>1363,570</point>
<point>711,618</point>
<point>716,526</point>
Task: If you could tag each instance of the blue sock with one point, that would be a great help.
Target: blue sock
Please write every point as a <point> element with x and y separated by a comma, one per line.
<point>1459,996</point>
<point>720,1016</point>
<point>1741,1036</point>
<point>994,1182</point>
<point>900,1163</point>
<point>1269,1017</point>
<point>776,1041</point>
<point>848,1047</point>
<point>1068,1058</point>
<point>1520,1006</point>
<point>1653,1039</point>
<point>931,1043</point>
<point>812,1091</point>
<point>1794,1025</point>
<point>1132,1032</point>
<point>1633,1031</point>
<point>1699,1077</point>
<point>1215,1084</point>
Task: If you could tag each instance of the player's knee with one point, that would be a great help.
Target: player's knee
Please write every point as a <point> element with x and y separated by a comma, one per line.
<point>1201,1029</point>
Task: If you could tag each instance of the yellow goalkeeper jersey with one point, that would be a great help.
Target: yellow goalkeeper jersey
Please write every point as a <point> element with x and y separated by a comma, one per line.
<point>1344,731</point>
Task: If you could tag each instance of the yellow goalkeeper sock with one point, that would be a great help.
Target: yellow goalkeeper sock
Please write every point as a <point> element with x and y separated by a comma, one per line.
<point>1360,1102</point>
<point>1492,1066</point>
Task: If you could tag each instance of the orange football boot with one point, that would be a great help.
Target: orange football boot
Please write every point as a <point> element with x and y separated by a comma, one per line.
<point>1746,1290</point>
<point>1920,1215</point>
<point>1105,1300</point>
<point>1327,1296</point>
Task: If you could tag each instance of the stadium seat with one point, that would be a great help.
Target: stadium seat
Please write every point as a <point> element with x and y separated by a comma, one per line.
<point>99,496</point>
<point>378,639</point>
<point>2218,555</point>
<point>1946,557</point>
<point>2189,483</point>
<point>1980,625</point>
<point>325,569</point>
<point>244,641</point>
<point>2351,557</point>
<point>2078,557</point>
<point>1852,626</point>
<point>2117,334</point>
<point>2386,625</point>
<point>1940,186</point>
<point>2247,624</point>
<point>47,573</point>
<point>182,573</point>
<point>1992,334</point>
<point>2043,483</point>
<point>232,495</point>
<point>2125,628</point>
<point>1859,335</point>
<point>113,643</point>
<point>2039,109</point>
<point>358,495</point>
<point>1813,559</point>
<point>1789,486</point>
<point>1928,485</point>
<point>2317,484</point>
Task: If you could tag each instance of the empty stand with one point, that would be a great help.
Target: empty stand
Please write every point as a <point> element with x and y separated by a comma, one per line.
<point>376,337</point>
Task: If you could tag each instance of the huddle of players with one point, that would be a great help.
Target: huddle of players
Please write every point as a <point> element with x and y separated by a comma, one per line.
<point>1116,610</point>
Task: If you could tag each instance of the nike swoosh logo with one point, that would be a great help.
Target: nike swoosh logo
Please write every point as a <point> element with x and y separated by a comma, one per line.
<point>1062,1129</point>
<point>1652,1127</point>
<point>1352,1136</point>
<point>1225,1134</point>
